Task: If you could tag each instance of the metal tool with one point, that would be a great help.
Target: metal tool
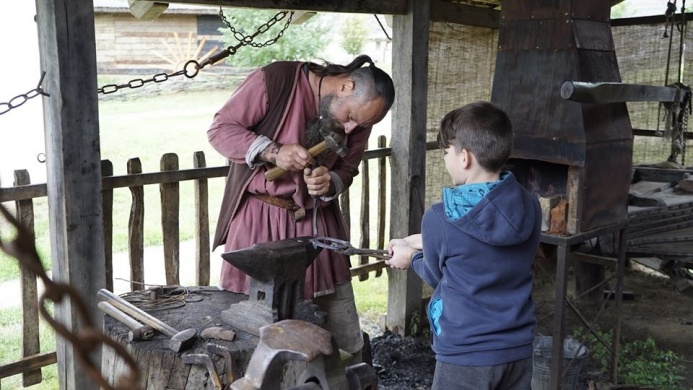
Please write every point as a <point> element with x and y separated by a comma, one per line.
<point>179,340</point>
<point>224,352</point>
<point>345,248</point>
<point>316,203</point>
<point>292,340</point>
<point>205,360</point>
<point>333,141</point>
<point>138,331</point>
<point>277,270</point>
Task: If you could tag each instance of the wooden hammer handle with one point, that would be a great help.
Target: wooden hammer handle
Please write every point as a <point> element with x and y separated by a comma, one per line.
<point>276,172</point>
<point>136,312</point>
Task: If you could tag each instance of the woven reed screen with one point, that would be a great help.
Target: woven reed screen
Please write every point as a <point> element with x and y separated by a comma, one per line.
<point>462,62</point>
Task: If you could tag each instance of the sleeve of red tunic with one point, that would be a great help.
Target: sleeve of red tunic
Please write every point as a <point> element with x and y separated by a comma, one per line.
<point>230,132</point>
<point>348,167</point>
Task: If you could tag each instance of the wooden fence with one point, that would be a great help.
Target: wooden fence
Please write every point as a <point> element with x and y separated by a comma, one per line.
<point>168,179</point>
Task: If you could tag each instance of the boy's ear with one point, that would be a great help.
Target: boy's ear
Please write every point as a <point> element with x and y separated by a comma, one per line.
<point>465,158</point>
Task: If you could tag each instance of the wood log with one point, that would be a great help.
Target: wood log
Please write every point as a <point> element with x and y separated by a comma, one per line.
<point>161,368</point>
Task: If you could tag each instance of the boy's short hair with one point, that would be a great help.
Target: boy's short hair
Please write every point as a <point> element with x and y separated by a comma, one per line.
<point>483,129</point>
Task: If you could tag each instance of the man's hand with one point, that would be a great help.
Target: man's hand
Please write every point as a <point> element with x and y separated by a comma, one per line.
<point>317,180</point>
<point>289,157</point>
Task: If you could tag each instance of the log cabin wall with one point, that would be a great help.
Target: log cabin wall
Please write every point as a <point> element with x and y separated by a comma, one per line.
<point>580,152</point>
<point>126,45</point>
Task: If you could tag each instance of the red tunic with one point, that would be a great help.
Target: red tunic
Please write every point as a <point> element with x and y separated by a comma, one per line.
<point>256,221</point>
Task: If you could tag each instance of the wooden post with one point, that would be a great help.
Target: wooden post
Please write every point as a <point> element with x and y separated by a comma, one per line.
<point>410,74</point>
<point>107,204</point>
<point>68,56</point>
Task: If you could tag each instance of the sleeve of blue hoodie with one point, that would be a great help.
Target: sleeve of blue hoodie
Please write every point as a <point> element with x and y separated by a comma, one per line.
<point>429,263</point>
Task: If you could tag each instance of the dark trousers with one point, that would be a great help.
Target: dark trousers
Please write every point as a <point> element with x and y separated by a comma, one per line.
<point>515,375</point>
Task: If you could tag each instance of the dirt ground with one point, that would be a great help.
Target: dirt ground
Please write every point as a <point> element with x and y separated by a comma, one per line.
<point>657,310</point>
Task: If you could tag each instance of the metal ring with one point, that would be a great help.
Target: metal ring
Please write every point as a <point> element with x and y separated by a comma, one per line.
<point>41,159</point>
<point>330,243</point>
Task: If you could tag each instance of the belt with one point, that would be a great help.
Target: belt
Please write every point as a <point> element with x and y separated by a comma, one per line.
<point>295,211</point>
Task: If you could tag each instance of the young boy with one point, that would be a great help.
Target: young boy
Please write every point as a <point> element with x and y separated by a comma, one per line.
<point>478,247</point>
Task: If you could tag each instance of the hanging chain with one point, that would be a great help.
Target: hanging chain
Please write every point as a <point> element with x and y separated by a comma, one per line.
<point>248,39</point>
<point>23,98</point>
<point>89,338</point>
<point>192,67</point>
<point>684,125</point>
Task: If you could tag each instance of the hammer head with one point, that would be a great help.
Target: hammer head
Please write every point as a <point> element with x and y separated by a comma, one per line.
<point>335,142</point>
<point>333,139</point>
<point>183,340</point>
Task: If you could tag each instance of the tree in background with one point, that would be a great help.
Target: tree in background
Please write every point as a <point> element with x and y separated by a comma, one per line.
<point>353,34</point>
<point>298,43</point>
<point>622,10</point>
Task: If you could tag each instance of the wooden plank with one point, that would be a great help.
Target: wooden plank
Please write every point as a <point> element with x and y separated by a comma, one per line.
<point>646,188</point>
<point>390,7</point>
<point>29,363</point>
<point>459,13</point>
<point>136,229</point>
<point>376,265</point>
<point>202,246</point>
<point>30,318</point>
<point>382,198</point>
<point>364,242</point>
<point>170,213</point>
<point>107,205</point>
<point>408,181</point>
<point>652,173</point>
<point>68,56</point>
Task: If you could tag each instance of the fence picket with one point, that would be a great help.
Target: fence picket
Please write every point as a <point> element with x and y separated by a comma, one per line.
<point>170,213</point>
<point>30,319</point>
<point>136,228</point>
<point>202,246</point>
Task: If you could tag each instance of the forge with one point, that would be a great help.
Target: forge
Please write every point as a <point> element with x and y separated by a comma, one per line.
<point>564,151</point>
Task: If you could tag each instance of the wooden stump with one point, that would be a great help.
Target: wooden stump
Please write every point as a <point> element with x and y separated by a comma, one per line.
<point>160,367</point>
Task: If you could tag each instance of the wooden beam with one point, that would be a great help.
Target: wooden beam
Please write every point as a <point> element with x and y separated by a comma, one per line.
<point>146,10</point>
<point>388,7</point>
<point>408,182</point>
<point>68,56</point>
<point>458,13</point>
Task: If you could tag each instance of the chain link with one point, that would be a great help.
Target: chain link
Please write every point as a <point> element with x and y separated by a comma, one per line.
<point>192,67</point>
<point>88,338</point>
<point>248,39</point>
<point>684,124</point>
<point>23,98</point>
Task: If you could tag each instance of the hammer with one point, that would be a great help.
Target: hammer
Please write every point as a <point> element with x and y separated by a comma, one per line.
<point>333,141</point>
<point>179,340</point>
<point>137,330</point>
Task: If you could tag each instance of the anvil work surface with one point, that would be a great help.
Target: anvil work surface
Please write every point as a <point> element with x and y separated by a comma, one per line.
<point>162,368</point>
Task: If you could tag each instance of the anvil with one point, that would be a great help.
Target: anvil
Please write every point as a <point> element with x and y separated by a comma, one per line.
<point>277,277</point>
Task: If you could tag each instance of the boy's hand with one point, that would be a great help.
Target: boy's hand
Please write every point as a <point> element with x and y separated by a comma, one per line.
<point>401,255</point>
<point>317,180</point>
<point>396,242</point>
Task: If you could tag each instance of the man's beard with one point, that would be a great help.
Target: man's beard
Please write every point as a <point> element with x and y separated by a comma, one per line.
<point>324,123</point>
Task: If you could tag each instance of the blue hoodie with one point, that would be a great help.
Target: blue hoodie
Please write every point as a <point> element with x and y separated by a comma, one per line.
<point>480,265</point>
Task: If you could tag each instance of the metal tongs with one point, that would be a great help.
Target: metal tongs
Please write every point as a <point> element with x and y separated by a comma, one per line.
<point>345,248</point>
